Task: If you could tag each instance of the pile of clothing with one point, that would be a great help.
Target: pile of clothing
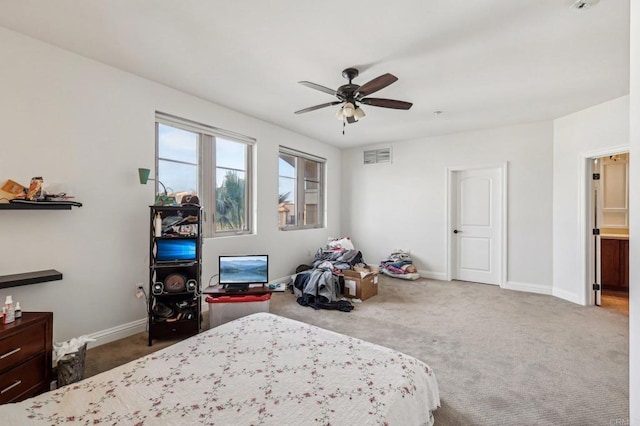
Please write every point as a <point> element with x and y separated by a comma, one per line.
<point>320,288</point>
<point>322,285</point>
<point>399,265</point>
<point>340,252</point>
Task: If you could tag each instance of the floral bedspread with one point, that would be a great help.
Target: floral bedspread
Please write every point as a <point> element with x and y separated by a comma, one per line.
<point>258,370</point>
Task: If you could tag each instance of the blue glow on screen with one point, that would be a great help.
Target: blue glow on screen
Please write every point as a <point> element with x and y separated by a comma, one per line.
<point>253,269</point>
<point>175,250</point>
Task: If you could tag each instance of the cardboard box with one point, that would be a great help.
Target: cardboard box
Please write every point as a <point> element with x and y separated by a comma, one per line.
<point>367,268</point>
<point>360,285</point>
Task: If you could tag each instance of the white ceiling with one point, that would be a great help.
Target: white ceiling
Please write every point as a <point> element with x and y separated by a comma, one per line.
<point>485,63</point>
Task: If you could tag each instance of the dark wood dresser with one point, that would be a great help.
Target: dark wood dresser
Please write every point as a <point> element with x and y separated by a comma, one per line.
<point>25,356</point>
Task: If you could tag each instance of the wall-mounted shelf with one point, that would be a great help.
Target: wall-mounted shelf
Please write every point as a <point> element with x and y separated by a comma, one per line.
<point>39,206</point>
<point>27,278</point>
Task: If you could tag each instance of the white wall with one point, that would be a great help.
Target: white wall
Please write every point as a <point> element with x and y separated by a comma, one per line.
<point>576,137</point>
<point>89,126</point>
<point>403,204</point>
<point>634,273</point>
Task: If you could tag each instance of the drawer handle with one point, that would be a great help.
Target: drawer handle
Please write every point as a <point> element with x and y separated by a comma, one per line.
<point>8,388</point>
<point>9,353</point>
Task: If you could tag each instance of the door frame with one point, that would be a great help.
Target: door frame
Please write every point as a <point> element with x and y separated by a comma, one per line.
<point>450,219</point>
<point>586,245</point>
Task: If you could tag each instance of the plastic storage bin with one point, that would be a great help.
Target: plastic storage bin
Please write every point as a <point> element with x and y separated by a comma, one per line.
<point>223,309</point>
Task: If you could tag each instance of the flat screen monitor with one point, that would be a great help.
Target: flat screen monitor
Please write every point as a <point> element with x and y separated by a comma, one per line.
<point>243,270</point>
<point>175,250</point>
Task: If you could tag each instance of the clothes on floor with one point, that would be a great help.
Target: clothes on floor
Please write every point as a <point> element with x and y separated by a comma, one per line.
<point>399,265</point>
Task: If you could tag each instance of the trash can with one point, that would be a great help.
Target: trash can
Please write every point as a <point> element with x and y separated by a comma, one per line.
<point>71,367</point>
<point>223,309</point>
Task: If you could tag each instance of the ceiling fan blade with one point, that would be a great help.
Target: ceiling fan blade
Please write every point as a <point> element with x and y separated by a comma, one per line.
<point>376,84</point>
<point>318,87</point>
<point>313,108</point>
<point>386,103</point>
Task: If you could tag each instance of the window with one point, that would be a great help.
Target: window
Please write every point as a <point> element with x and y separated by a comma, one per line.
<point>213,164</point>
<point>300,190</point>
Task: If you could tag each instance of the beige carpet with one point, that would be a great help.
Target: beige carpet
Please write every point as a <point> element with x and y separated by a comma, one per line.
<point>501,357</point>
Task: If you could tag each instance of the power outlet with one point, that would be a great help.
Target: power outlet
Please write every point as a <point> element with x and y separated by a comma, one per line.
<point>139,290</point>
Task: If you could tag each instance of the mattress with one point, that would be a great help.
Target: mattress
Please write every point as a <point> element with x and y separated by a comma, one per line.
<point>261,369</point>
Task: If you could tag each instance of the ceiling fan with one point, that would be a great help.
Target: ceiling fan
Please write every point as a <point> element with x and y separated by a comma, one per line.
<point>351,94</point>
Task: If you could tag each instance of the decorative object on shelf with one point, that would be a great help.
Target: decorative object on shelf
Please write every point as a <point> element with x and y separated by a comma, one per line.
<point>162,199</point>
<point>14,188</point>
<point>190,200</point>
<point>157,225</point>
<point>175,283</point>
<point>36,191</point>
<point>35,197</point>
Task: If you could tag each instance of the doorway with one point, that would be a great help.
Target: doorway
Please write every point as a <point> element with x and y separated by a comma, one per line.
<point>609,221</point>
<point>476,224</point>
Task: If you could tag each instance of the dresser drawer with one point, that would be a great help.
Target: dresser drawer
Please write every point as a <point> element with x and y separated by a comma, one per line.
<point>16,348</point>
<point>23,381</point>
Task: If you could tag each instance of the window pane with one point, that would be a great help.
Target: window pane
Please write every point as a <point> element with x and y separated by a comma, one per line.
<point>311,203</point>
<point>177,144</point>
<point>231,166</point>
<point>287,190</point>
<point>300,192</point>
<point>230,200</point>
<point>287,165</point>
<point>178,177</point>
<point>231,155</point>
<point>312,170</point>
<point>286,201</point>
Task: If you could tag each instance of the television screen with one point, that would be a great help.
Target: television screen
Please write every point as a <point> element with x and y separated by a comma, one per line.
<point>249,269</point>
<point>175,250</point>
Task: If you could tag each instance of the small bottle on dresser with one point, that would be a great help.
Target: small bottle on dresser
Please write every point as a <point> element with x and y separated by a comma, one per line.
<point>18,312</point>
<point>9,311</point>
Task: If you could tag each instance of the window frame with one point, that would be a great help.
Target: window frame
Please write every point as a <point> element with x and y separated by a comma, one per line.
<point>206,170</point>
<point>300,189</point>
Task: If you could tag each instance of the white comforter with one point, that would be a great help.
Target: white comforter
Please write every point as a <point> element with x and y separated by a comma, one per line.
<point>258,370</point>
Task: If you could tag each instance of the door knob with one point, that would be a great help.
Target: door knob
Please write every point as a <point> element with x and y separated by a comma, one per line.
<point>455,231</point>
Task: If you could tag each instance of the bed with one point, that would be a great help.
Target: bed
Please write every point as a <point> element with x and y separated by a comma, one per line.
<point>261,369</point>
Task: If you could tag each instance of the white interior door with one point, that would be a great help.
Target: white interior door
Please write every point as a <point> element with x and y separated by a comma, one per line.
<point>477,225</point>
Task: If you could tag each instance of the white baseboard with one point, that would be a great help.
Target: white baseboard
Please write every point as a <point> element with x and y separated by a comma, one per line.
<point>283,280</point>
<point>433,275</point>
<point>528,287</point>
<point>117,332</point>
<point>567,295</point>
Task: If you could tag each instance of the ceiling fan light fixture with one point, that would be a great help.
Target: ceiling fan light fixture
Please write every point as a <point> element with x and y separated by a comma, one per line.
<point>348,109</point>
<point>350,95</point>
<point>358,113</point>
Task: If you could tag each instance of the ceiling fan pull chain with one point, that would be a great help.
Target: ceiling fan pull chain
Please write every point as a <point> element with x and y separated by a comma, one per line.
<point>344,124</point>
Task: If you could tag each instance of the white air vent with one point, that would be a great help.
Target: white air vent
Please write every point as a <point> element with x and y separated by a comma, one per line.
<point>375,156</point>
<point>583,4</point>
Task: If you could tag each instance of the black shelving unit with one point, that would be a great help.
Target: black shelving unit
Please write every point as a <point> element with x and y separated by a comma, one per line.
<point>175,270</point>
